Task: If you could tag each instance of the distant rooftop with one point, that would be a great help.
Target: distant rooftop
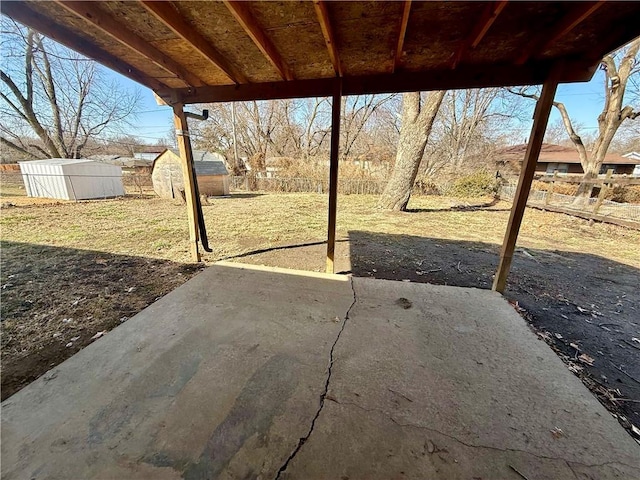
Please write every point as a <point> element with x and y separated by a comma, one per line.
<point>551,153</point>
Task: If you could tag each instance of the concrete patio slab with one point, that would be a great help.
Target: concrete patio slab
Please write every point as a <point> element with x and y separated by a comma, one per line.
<point>248,372</point>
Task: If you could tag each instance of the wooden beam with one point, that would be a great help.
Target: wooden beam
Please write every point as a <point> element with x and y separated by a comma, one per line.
<point>188,180</point>
<point>171,18</point>
<point>243,16</point>
<point>540,119</point>
<point>580,12</point>
<point>403,32</point>
<point>333,174</point>
<point>533,73</point>
<point>480,29</point>
<point>22,14</point>
<point>329,37</point>
<point>93,15</point>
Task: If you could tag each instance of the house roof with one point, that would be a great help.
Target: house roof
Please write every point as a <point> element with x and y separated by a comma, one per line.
<point>121,161</point>
<point>152,149</point>
<point>551,153</point>
<point>193,52</point>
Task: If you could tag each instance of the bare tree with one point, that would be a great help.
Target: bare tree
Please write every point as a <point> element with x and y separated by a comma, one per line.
<point>357,110</point>
<point>418,114</point>
<point>464,129</point>
<point>614,112</point>
<point>56,96</point>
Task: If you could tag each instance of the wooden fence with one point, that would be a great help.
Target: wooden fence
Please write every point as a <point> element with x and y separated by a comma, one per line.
<point>598,208</point>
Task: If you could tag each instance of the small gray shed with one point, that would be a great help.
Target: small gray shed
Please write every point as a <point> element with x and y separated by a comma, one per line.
<point>211,174</point>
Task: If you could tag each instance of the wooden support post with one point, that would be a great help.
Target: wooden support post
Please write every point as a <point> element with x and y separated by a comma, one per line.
<point>606,185</point>
<point>552,187</point>
<point>540,119</point>
<point>184,145</point>
<point>333,174</point>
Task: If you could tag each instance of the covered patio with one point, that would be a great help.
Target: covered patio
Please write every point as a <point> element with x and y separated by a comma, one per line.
<point>292,374</point>
<point>267,373</point>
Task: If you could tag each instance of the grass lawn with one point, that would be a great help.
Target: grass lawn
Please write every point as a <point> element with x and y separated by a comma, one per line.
<point>73,270</point>
<point>155,228</point>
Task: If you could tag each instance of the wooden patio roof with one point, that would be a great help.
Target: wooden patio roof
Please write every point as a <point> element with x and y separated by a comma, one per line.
<point>197,51</point>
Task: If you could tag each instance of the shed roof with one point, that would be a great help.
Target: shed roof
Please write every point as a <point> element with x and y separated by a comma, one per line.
<point>191,52</point>
<point>204,162</point>
<point>60,161</point>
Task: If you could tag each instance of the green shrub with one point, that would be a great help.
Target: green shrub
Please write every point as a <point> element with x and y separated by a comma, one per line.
<point>477,184</point>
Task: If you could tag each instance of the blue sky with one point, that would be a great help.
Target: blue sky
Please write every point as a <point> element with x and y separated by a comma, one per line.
<point>583,101</point>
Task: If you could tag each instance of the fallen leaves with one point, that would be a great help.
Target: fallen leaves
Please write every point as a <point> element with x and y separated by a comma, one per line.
<point>557,432</point>
<point>584,358</point>
<point>98,335</point>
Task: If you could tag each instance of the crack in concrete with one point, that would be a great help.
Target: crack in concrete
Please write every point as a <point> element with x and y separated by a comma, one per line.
<point>471,445</point>
<point>323,395</point>
<point>575,475</point>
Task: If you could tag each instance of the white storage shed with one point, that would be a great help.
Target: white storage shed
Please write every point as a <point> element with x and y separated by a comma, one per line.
<point>71,179</point>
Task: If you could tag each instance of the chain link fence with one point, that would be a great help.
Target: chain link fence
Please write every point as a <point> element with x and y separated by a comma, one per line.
<point>300,185</point>
<point>134,183</point>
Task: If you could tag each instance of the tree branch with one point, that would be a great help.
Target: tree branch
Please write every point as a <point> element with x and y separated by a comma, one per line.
<point>17,148</point>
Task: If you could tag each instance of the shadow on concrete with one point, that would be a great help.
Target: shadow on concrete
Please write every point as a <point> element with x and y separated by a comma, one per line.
<point>53,297</point>
<point>578,298</point>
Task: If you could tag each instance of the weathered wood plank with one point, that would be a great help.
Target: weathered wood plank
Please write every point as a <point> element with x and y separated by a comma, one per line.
<point>580,12</point>
<point>186,154</point>
<point>614,180</point>
<point>242,14</point>
<point>589,216</point>
<point>397,60</point>
<point>333,176</point>
<point>464,77</point>
<point>168,15</point>
<point>329,37</point>
<point>540,119</point>
<point>91,13</point>
<point>480,29</point>
<point>21,13</point>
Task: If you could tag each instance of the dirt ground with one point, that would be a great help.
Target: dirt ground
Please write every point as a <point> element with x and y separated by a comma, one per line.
<point>73,270</point>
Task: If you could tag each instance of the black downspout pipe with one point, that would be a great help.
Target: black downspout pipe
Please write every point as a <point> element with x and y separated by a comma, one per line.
<point>201,226</point>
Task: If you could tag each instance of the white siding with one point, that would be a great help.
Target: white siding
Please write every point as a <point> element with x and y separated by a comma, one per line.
<point>71,179</point>
<point>44,180</point>
<point>93,180</point>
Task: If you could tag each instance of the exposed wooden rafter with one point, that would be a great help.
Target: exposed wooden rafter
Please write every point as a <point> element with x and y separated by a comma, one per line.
<point>91,13</point>
<point>579,13</point>
<point>403,32</point>
<point>21,13</point>
<point>242,14</point>
<point>329,36</point>
<point>168,15</point>
<point>480,29</point>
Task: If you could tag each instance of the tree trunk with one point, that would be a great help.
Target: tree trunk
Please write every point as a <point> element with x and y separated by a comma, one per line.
<point>417,119</point>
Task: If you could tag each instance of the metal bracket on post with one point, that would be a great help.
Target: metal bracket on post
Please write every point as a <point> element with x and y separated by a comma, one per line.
<point>196,116</point>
